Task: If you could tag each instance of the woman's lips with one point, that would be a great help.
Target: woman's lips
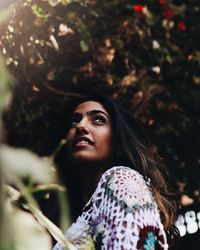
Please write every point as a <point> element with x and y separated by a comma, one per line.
<point>82,141</point>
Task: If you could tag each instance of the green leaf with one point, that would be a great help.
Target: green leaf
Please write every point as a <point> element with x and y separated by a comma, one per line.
<point>84,46</point>
<point>6,13</point>
<point>5,86</point>
<point>17,163</point>
<point>39,11</point>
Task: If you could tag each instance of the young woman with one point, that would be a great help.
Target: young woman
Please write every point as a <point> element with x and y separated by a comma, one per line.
<point>109,165</point>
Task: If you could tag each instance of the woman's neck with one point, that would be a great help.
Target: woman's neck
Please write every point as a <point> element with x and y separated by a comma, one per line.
<point>89,176</point>
<point>89,180</point>
<point>81,182</point>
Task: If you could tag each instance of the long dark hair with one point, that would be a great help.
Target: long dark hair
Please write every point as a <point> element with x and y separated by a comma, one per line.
<point>133,149</point>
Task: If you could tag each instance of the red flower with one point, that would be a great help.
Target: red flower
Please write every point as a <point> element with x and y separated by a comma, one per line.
<point>138,7</point>
<point>164,2</point>
<point>181,26</point>
<point>168,14</point>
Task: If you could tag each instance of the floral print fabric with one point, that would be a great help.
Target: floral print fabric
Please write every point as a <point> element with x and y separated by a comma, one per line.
<point>121,215</point>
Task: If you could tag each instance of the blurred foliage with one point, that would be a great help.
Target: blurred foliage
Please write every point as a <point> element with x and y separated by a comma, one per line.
<point>23,224</point>
<point>22,176</point>
<point>146,55</point>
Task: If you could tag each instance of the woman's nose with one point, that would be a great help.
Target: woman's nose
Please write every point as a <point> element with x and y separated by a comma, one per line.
<point>82,126</point>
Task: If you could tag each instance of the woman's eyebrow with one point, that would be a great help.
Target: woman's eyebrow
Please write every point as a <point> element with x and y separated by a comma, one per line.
<point>91,112</point>
<point>96,111</point>
<point>76,114</point>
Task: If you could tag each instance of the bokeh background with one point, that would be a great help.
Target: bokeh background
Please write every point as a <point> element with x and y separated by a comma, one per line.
<point>144,54</point>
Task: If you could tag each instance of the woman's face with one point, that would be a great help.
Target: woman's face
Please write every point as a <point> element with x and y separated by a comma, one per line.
<point>89,138</point>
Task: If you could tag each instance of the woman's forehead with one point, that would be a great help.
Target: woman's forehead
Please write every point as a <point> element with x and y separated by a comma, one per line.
<point>89,106</point>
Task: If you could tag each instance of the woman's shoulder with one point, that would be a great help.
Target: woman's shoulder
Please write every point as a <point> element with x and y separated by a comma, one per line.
<point>127,185</point>
<point>123,172</point>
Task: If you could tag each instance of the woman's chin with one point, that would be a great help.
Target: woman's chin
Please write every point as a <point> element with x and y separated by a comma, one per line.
<point>82,156</point>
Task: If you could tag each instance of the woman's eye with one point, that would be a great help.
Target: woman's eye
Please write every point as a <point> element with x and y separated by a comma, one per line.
<point>99,120</point>
<point>73,122</point>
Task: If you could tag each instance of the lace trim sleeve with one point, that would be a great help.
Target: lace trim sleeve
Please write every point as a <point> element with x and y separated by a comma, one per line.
<point>125,215</point>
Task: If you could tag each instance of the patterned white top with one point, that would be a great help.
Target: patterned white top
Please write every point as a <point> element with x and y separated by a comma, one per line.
<point>121,215</point>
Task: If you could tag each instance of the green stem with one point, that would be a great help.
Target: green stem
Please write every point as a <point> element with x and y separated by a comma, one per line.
<point>43,220</point>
